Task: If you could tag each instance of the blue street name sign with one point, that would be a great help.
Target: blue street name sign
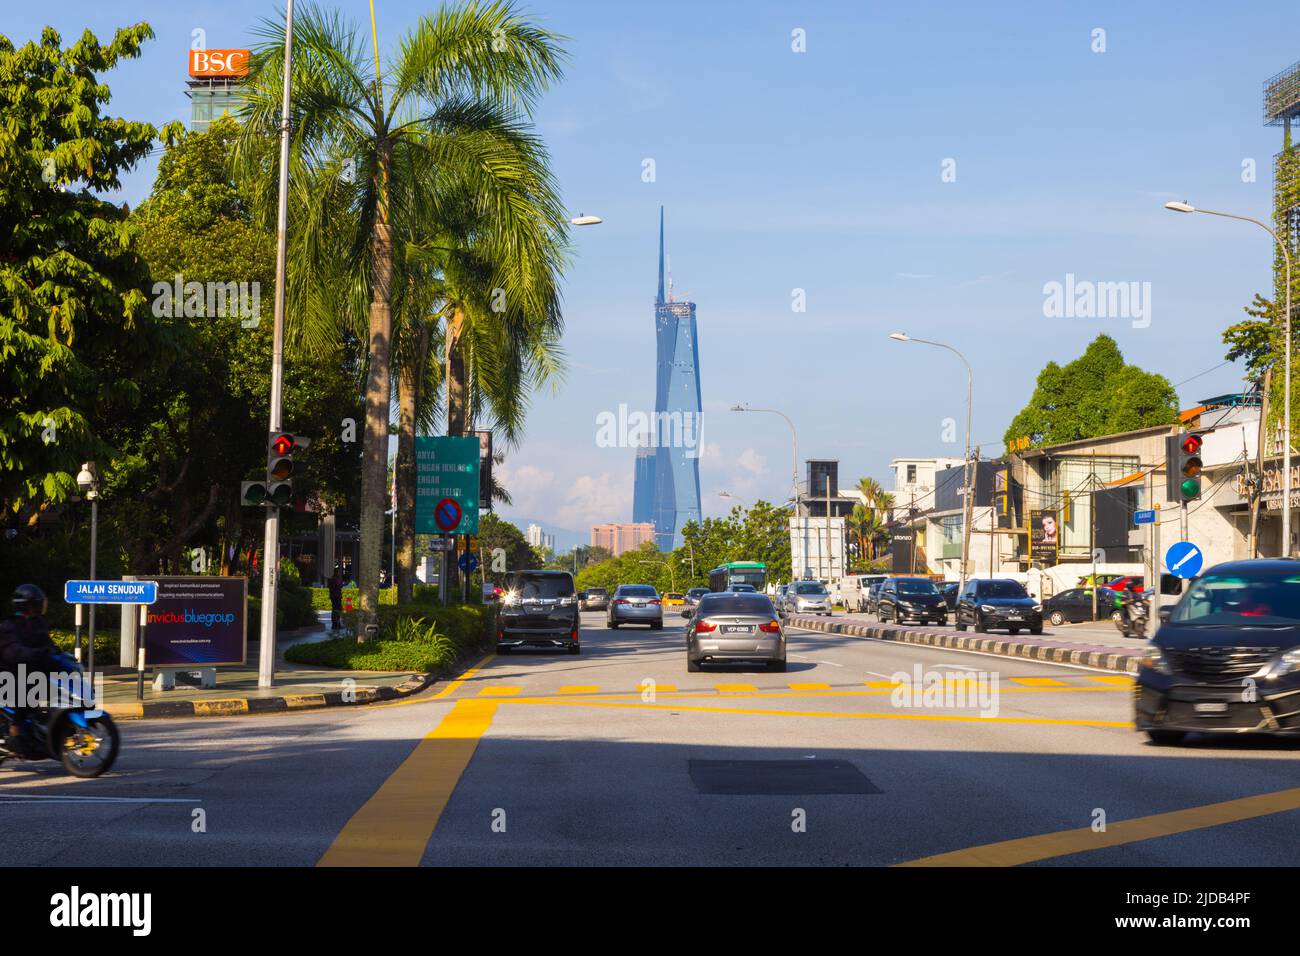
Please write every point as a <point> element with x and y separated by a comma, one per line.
<point>1144,517</point>
<point>110,592</point>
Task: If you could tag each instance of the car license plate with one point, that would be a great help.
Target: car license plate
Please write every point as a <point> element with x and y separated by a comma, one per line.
<point>1013,617</point>
<point>737,629</point>
<point>1211,708</point>
<point>638,603</point>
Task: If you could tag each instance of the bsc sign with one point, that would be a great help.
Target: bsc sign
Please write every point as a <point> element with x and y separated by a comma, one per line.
<point>446,485</point>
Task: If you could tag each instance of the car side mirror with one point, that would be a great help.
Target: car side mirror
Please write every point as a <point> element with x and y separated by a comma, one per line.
<point>1164,614</point>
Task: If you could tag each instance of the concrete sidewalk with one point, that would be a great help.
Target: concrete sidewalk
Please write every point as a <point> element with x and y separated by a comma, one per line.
<point>297,687</point>
<point>1097,644</point>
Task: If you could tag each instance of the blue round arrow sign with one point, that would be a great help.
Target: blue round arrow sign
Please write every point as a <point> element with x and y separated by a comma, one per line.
<point>1184,559</point>
<point>468,562</point>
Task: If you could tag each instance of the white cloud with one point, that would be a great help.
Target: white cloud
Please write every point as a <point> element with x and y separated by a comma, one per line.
<point>752,462</point>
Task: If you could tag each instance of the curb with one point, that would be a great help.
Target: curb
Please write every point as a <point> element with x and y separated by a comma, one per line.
<point>241,706</point>
<point>1123,663</point>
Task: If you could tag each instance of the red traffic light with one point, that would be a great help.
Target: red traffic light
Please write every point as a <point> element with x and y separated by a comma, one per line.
<point>282,444</point>
<point>1192,444</point>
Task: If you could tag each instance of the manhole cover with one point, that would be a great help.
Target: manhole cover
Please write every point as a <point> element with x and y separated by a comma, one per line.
<point>775,777</point>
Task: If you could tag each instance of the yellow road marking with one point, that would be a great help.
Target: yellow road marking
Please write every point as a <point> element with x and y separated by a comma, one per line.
<point>695,708</point>
<point>809,686</point>
<point>882,683</point>
<point>498,690</point>
<point>659,689</point>
<point>447,691</point>
<point>1112,680</point>
<point>1039,681</point>
<point>580,689</point>
<point>393,827</point>
<point>1118,833</point>
<point>735,688</point>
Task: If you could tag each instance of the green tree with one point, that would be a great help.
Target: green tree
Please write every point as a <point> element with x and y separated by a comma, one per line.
<point>1096,394</point>
<point>75,331</point>
<point>497,533</point>
<point>446,122</point>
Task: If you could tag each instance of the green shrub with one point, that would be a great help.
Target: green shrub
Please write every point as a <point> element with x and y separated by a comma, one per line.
<point>419,638</point>
<point>320,597</point>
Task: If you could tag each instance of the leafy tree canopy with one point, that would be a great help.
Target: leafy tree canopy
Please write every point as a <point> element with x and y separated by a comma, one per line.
<point>1096,394</point>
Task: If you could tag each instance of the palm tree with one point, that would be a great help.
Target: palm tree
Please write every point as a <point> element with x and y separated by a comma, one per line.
<point>858,522</point>
<point>870,490</point>
<point>445,120</point>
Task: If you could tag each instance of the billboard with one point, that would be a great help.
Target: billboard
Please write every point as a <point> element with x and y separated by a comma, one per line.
<point>197,621</point>
<point>1044,536</point>
<point>218,62</point>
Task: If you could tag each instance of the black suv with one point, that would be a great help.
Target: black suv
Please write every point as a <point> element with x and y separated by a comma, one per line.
<point>998,602</point>
<point>916,599</point>
<point>538,609</point>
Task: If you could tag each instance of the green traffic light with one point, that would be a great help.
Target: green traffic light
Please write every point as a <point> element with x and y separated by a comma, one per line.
<point>1190,488</point>
<point>254,493</point>
<point>281,494</point>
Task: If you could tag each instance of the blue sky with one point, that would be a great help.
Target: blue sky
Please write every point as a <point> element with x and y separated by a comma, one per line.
<point>821,171</point>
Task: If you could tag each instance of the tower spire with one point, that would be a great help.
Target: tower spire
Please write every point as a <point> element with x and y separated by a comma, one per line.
<point>659,300</point>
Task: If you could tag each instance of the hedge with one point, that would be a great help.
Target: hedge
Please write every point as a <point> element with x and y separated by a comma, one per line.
<point>422,638</point>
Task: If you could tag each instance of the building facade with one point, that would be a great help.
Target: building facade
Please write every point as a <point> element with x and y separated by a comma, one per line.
<point>538,538</point>
<point>618,538</point>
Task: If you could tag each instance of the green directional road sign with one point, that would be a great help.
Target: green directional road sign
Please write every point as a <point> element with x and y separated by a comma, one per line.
<point>446,485</point>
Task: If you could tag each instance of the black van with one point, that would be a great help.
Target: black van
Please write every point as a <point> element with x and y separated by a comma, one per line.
<point>538,609</point>
<point>1227,658</point>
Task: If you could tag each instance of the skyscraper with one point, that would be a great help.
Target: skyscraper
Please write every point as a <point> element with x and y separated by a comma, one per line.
<point>675,431</point>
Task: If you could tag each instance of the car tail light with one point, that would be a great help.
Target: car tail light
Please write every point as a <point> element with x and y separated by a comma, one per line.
<point>574,636</point>
<point>655,601</point>
<point>620,600</point>
<point>771,627</point>
<point>701,626</point>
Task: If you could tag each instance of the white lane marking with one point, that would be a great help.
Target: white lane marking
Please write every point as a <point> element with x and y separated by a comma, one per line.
<point>58,798</point>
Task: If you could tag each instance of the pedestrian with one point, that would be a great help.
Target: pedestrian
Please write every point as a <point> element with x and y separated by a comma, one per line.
<point>335,585</point>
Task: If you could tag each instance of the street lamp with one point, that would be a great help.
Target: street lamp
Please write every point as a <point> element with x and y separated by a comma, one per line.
<point>584,220</point>
<point>967,510</point>
<point>1286,400</point>
<point>794,460</point>
<point>88,482</point>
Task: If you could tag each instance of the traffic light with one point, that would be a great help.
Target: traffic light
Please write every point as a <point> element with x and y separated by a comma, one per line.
<point>252,493</point>
<point>1183,466</point>
<point>280,466</point>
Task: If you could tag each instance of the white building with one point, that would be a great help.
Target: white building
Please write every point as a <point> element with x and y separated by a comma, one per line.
<point>538,538</point>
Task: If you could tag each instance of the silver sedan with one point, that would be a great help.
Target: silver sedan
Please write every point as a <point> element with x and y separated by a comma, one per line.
<point>729,627</point>
<point>635,604</point>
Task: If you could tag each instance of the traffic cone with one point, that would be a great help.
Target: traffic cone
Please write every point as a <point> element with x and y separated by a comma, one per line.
<point>347,605</point>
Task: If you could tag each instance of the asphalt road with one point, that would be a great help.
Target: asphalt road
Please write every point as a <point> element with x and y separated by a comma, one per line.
<point>618,756</point>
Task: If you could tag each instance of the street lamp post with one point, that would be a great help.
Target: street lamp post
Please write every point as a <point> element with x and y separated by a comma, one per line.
<point>966,472</point>
<point>1286,400</point>
<point>88,482</point>
<point>794,453</point>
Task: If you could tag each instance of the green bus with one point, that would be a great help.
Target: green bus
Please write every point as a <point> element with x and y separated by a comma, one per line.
<point>739,572</point>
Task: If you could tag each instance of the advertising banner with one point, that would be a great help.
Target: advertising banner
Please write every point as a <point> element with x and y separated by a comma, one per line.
<point>1044,537</point>
<point>198,622</point>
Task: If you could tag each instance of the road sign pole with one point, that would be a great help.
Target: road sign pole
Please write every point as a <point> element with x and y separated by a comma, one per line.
<point>1155,569</point>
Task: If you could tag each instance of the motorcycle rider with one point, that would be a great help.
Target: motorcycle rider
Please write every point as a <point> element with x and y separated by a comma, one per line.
<point>25,639</point>
<point>1125,599</point>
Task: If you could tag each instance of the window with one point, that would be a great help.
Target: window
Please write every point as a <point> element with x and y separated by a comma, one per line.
<point>911,474</point>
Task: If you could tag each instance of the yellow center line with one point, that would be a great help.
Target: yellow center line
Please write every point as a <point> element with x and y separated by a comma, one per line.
<point>661,692</point>
<point>695,708</point>
<point>1118,833</point>
<point>393,827</point>
<point>580,689</point>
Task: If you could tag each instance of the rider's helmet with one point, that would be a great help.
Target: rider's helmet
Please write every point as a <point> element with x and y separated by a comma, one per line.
<point>29,600</point>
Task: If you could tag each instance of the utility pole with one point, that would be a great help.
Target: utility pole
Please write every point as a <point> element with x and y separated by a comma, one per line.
<point>968,508</point>
<point>271,541</point>
<point>829,566</point>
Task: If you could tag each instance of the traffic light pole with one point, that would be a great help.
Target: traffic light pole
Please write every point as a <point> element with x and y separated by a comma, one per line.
<point>271,542</point>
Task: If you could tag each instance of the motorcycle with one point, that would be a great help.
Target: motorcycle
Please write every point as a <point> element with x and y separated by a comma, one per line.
<point>70,729</point>
<point>1131,619</point>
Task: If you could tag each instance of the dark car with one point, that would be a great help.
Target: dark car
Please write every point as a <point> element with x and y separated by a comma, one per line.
<point>538,609</point>
<point>1227,660</point>
<point>734,626</point>
<point>917,599</point>
<point>950,590</point>
<point>998,602</point>
<point>594,599</point>
<point>694,594</point>
<point>873,597</point>
<point>1075,605</point>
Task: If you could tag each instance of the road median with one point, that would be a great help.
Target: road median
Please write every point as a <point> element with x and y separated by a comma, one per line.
<point>1123,660</point>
